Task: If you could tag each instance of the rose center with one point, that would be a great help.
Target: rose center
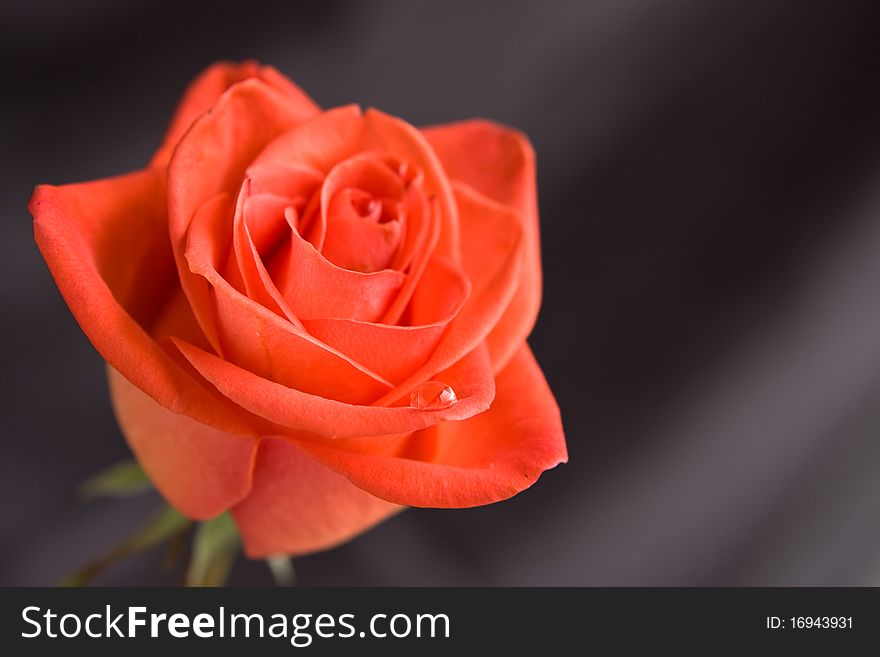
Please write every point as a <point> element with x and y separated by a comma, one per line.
<point>365,214</point>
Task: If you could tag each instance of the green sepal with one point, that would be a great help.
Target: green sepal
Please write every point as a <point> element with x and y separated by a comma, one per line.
<point>124,479</point>
<point>216,545</point>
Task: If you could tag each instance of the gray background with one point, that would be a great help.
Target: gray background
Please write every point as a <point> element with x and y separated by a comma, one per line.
<point>709,177</point>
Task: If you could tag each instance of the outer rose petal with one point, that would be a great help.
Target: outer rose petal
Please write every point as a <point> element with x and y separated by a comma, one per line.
<point>206,89</point>
<point>500,164</point>
<point>201,471</point>
<point>298,506</point>
<point>96,238</point>
<point>487,458</point>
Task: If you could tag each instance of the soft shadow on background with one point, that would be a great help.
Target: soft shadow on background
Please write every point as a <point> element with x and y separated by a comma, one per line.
<point>709,181</point>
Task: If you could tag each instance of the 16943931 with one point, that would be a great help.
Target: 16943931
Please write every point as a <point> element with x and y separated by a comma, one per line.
<point>809,623</point>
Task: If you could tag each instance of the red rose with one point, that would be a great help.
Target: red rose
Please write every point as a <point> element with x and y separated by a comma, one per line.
<point>312,317</point>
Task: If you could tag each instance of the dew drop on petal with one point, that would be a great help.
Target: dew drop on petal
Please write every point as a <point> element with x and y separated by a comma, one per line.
<point>432,396</point>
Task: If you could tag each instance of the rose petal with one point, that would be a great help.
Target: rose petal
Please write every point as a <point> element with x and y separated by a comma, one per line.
<point>358,235</point>
<point>500,164</point>
<point>487,458</point>
<point>420,241</point>
<point>259,226</point>
<point>319,143</point>
<point>471,378</point>
<point>201,471</point>
<point>291,181</point>
<point>491,254</point>
<point>105,245</point>
<point>314,287</point>
<point>265,215</point>
<point>338,134</point>
<point>353,201</point>
<point>257,339</point>
<point>388,133</point>
<point>211,159</point>
<point>206,89</point>
<point>297,505</point>
<point>394,352</point>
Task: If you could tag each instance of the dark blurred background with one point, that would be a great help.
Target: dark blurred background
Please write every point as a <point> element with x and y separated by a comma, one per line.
<point>709,180</point>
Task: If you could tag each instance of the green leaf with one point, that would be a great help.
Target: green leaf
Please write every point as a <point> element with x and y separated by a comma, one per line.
<point>121,480</point>
<point>163,525</point>
<point>282,570</point>
<point>215,547</point>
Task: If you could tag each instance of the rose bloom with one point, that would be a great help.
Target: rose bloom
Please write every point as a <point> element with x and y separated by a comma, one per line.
<point>313,318</point>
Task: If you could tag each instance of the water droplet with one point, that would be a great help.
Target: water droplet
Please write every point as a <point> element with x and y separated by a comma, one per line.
<point>432,396</point>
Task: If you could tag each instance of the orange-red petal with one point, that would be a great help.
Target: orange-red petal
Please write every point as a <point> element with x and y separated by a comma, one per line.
<point>105,243</point>
<point>487,458</point>
<point>259,225</point>
<point>259,340</point>
<point>211,159</point>
<point>203,92</point>
<point>491,253</point>
<point>314,287</point>
<point>394,351</point>
<point>297,411</point>
<point>499,163</point>
<point>297,505</point>
<point>200,470</point>
<point>337,134</point>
